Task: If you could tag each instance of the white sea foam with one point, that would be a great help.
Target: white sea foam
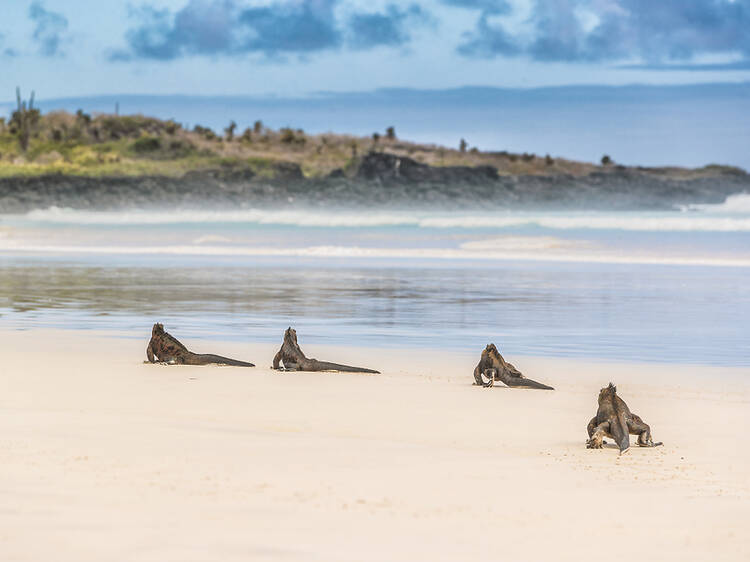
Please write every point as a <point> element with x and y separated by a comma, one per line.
<point>331,218</point>
<point>522,243</point>
<point>211,238</point>
<point>739,203</point>
<point>599,221</point>
<point>357,252</point>
<point>731,216</point>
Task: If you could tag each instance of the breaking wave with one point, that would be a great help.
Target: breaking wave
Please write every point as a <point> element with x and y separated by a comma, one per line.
<point>739,203</point>
<point>731,216</point>
<point>466,252</point>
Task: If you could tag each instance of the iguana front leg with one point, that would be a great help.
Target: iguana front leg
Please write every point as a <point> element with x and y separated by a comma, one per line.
<point>597,436</point>
<point>150,353</point>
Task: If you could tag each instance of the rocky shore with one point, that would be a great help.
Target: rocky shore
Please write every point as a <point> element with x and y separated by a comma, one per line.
<point>381,179</point>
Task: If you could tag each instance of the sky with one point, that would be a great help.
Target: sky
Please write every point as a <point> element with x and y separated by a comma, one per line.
<point>63,48</point>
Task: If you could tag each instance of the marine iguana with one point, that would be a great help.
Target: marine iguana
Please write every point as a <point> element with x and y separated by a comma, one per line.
<point>493,367</point>
<point>165,348</point>
<point>614,419</point>
<point>293,359</point>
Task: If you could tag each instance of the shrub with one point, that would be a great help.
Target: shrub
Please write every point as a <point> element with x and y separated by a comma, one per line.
<point>606,160</point>
<point>287,135</point>
<point>462,145</point>
<point>82,117</point>
<point>145,145</point>
<point>172,127</point>
<point>116,127</point>
<point>390,132</point>
<point>205,132</point>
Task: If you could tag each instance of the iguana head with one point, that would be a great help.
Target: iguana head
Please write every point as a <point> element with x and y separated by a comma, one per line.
<point>491,350</point>
<point>157,329</point>
<point>607,393</point>
<point>291,334</point>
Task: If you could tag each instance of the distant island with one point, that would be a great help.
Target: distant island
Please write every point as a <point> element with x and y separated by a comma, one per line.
<point>112,161</point>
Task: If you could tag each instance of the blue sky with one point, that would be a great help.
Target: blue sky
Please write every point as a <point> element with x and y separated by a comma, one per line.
<point>294,47</point>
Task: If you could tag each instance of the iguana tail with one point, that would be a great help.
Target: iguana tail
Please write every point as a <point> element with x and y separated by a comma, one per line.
<point>326,366</point>
<point>209,358</point>
<point>525,383</point>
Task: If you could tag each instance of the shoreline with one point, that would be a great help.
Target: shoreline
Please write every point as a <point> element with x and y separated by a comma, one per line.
<point>114,459</point>
<point>456,358</point>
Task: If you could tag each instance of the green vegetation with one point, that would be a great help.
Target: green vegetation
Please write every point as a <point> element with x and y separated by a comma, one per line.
<point>58,142</point>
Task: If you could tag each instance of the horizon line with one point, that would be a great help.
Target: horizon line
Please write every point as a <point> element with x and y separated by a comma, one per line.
<point>318,94</point>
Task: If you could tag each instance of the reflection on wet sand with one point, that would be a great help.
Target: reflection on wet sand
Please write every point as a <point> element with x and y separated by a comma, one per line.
<point>643,312</point>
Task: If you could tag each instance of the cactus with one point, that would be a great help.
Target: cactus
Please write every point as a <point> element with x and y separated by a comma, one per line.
<point>24,119</point>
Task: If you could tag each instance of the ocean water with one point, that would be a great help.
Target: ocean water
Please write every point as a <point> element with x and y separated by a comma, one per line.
<point>670,286</point>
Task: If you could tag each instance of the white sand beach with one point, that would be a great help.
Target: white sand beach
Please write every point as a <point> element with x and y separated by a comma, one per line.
<point>104,458</point>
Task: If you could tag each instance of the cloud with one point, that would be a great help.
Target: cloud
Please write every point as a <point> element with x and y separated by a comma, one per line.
<point>50,29</point>
<point>654,32</point>
<point>488,41</point>
<point>391,28</point>
<point>232,28</point>
<point>487,6</point>
<point>205,28</point>
<point>299,27</point>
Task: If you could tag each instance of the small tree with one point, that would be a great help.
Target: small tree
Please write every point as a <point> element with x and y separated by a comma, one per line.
<point>205,132</point>
<point>171,127</point>
<point>390,132</point>
<point>375,139</point>
<point>463,145</point>
<point>83,118</point>
<point>247,135</point>
<point>230,131</point>
<point>258,127</point>
<point>287,135</point>
<point>606,160</point>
